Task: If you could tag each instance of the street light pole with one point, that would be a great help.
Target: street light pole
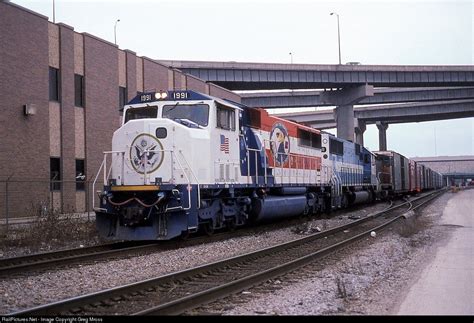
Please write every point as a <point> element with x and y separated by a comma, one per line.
<point>338,35</point>
<point>291,55</point>
<point>115,31</point>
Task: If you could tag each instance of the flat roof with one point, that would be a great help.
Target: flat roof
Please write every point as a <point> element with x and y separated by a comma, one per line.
<point>444,158</point>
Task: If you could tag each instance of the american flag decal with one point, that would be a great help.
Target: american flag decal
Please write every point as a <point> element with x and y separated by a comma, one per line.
<point>224,144</point>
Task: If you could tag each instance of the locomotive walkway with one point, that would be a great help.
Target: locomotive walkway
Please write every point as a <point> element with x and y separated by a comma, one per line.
<point>446,286</point>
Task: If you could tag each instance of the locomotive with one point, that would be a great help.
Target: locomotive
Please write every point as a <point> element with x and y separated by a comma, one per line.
<point>184,161</point>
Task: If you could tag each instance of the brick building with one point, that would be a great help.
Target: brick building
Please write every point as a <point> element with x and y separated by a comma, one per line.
<point>60,97</point>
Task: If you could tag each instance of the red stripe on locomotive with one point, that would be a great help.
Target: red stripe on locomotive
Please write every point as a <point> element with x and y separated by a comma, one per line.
<point>299,161</point>
<point>267,122</point>
<point>292,161</point>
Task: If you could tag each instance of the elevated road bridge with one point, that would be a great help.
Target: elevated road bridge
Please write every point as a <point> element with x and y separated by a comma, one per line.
<point>300,99</point>
<point>348,85</point>
<point>383,115</point>
<point>264,76</point>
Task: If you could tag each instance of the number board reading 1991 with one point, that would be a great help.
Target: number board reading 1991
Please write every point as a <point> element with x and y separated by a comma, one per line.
<point>147,97</point>
<point>180,95</point>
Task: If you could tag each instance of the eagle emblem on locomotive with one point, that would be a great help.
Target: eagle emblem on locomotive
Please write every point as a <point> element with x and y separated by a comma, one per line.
<point>280,144</point>
<point>184,161</point>
<point>144,153</point>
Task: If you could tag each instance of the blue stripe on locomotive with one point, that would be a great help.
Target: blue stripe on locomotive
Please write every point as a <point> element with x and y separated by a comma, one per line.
<point>247,162</point>
<point>350,157</point>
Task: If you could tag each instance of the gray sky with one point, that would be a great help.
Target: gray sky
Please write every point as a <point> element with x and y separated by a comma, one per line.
<point>372,32</point>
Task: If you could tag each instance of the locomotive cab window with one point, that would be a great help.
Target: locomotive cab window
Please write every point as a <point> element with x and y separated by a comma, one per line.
<point>225,117</point>
<point>141,113</point>
<point>190,115</point>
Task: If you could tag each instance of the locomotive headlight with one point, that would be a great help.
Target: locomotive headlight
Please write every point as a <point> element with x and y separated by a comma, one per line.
<point>161,96</point>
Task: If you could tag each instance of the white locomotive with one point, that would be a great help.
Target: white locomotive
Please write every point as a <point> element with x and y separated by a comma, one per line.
<point>183,161</point>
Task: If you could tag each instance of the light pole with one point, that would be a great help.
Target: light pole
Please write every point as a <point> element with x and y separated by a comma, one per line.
<point>338,35</point>
<point>115,31</point>
<point>291,56</point>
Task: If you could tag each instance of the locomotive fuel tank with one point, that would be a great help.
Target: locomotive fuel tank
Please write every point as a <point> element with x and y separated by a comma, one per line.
<point>277,207</point>
<point>360,197</point>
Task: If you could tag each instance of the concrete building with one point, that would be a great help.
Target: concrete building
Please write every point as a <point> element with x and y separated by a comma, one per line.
<point>60,97</point>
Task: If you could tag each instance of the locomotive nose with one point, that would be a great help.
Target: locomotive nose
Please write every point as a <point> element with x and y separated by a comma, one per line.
<point>147,155</point>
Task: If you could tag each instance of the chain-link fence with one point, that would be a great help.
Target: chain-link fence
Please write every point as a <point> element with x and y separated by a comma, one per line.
<point>23,200</point>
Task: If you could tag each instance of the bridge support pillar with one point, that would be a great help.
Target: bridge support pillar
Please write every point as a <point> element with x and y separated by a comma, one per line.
<point>345,99</point>
<point>382,135</point>
<point>344,116</point>
<point>359,130</point>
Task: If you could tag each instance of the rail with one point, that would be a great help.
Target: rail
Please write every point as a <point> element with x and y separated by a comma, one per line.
<point>176,292</point>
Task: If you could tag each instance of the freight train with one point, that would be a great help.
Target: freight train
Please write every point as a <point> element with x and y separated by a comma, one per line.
<point>183,161</point>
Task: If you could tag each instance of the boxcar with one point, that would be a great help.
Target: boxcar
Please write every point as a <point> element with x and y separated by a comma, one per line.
<point>393,171</point>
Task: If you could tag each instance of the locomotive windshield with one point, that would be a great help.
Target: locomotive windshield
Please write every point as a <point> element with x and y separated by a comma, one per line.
<point>197,113</point>
<point>141,113</point>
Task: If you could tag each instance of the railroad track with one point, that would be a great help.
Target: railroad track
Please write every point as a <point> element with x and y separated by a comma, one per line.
<point>63,258</point>
<point>177,292</point>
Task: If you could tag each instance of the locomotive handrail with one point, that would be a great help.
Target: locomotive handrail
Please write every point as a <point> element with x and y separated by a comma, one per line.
<point>255,151</point>
<point>106,174</point>
<point>189,190</point>
<point>195,178</point>
<point>93,184</point>
<point>104,166</point>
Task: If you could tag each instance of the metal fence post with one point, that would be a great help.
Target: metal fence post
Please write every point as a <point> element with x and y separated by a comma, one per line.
<point>51,207</point>
<point>87,201</point>
<point>6,204</point>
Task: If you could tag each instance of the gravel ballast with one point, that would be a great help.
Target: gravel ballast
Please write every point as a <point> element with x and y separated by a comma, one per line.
<point>370,277</point>
<point>334,288</point>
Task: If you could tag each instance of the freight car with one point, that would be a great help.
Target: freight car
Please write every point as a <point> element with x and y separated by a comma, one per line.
<point>184,161</point>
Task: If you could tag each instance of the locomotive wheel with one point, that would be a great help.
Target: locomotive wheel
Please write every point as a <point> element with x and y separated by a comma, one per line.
<point>184,235</point>
<point>231,225</point>
<point>208,228</point>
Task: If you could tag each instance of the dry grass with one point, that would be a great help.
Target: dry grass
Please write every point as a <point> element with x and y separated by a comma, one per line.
<point>410,226</point>
<point>50,228</point>
<point>341,291</point>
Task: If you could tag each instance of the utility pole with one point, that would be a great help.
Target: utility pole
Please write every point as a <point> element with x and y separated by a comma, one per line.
<point>115,31</point>
<point>338,35</point>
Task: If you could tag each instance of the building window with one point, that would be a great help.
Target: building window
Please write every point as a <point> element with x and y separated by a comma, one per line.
<point>55,173</point>
<point>122,97</point>
<point>80,175</point>
<point>53,84</point>
<point>78,90</point>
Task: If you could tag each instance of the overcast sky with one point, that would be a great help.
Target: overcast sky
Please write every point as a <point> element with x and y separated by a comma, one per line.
<point>372,32</point>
